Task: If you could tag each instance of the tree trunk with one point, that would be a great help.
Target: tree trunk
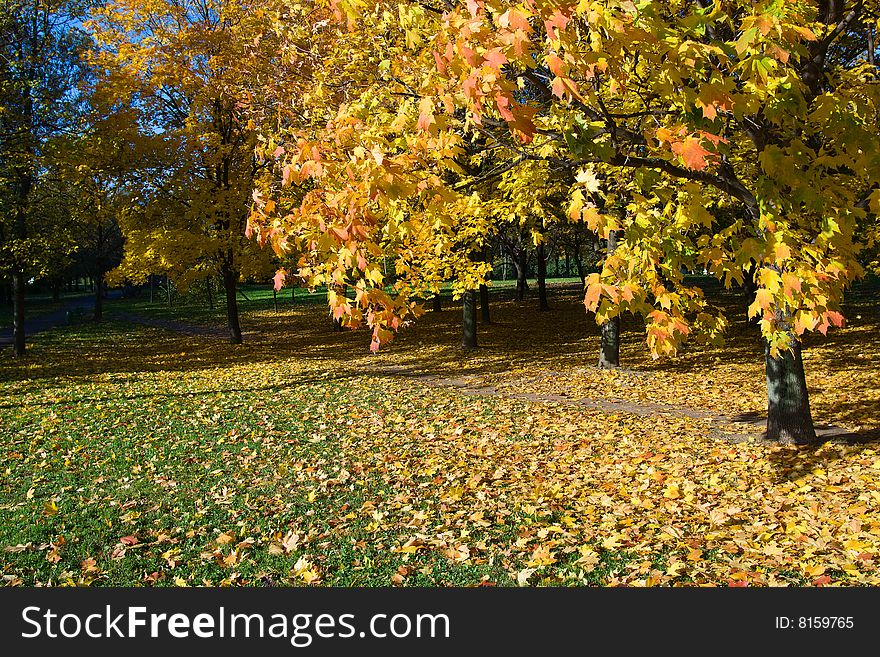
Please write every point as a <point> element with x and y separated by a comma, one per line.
<point>789,420</point>
<point>99,297</point>
<point>438,303</point>
<point>579,264</point>
<point>521,263</point>
<point>750,289</point>
<point>275,298</point>
<point>18,338</point>
<point>469,320</point>
<point>609,349</point>
<point>210,293</point>
<point>230,283</point>
<point>485,316</point>
<point>152,286</point>
<point>542,279</point>
<point>56,290</point>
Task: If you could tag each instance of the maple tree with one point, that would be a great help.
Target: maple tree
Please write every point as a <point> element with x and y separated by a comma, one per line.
<point>187,69</point>
<point>701,99</point>
<point>694,109</point>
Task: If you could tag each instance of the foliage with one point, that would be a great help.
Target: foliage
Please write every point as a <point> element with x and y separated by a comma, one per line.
<point>183,73</point>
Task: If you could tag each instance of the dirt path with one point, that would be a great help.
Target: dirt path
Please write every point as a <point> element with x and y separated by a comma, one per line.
<point>734,428</point>
<point>192,330</point>
<point>47,321</point>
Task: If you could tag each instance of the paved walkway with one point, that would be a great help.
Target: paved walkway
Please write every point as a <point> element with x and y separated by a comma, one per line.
<point>193,330</point>
<point>47,321</point>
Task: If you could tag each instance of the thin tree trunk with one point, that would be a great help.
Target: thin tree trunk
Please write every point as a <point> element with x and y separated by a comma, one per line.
<point>789,420</point>
<point>275,298</point>
<point>438,303</point>
<point>56,290</point>
<point>230,284</point>
<point>542,279</point>
<point>152,286</point>
<point>609,349</point>
<point>521,264</point>
<point>485,315</point>
<point>469,320</point>
<point>18,337</point>
<point>579,265</point>
<point>210,293</point>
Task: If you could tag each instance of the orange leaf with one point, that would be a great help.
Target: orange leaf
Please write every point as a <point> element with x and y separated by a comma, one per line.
<point>692,153</point>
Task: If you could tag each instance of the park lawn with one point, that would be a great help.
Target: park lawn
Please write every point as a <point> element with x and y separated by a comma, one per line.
<point>138,456</point>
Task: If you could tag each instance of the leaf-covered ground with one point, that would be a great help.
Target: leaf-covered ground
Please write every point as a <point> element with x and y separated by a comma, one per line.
<point>139,456</point>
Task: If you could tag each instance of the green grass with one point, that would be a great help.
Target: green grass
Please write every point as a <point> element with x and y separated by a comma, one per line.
<point>137,456</point>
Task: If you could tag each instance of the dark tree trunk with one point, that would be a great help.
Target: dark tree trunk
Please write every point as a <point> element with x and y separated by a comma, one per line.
<point>542,279</point>
<point>872,58</point>
<point>579,264</point>
<point>485,315</point>
<point>230,285</point>
<point>609,349</point>
<point>469,320</point>
<point>789,420</point>
<point>438,303</point>
<point>152,286</point>
<point>99,298</point>
<point>18,337</point>
<point>750,289</point>
<point>56,290</point>
<point>210,289</point>
<point>275,298</point>
<point>521,263</point>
